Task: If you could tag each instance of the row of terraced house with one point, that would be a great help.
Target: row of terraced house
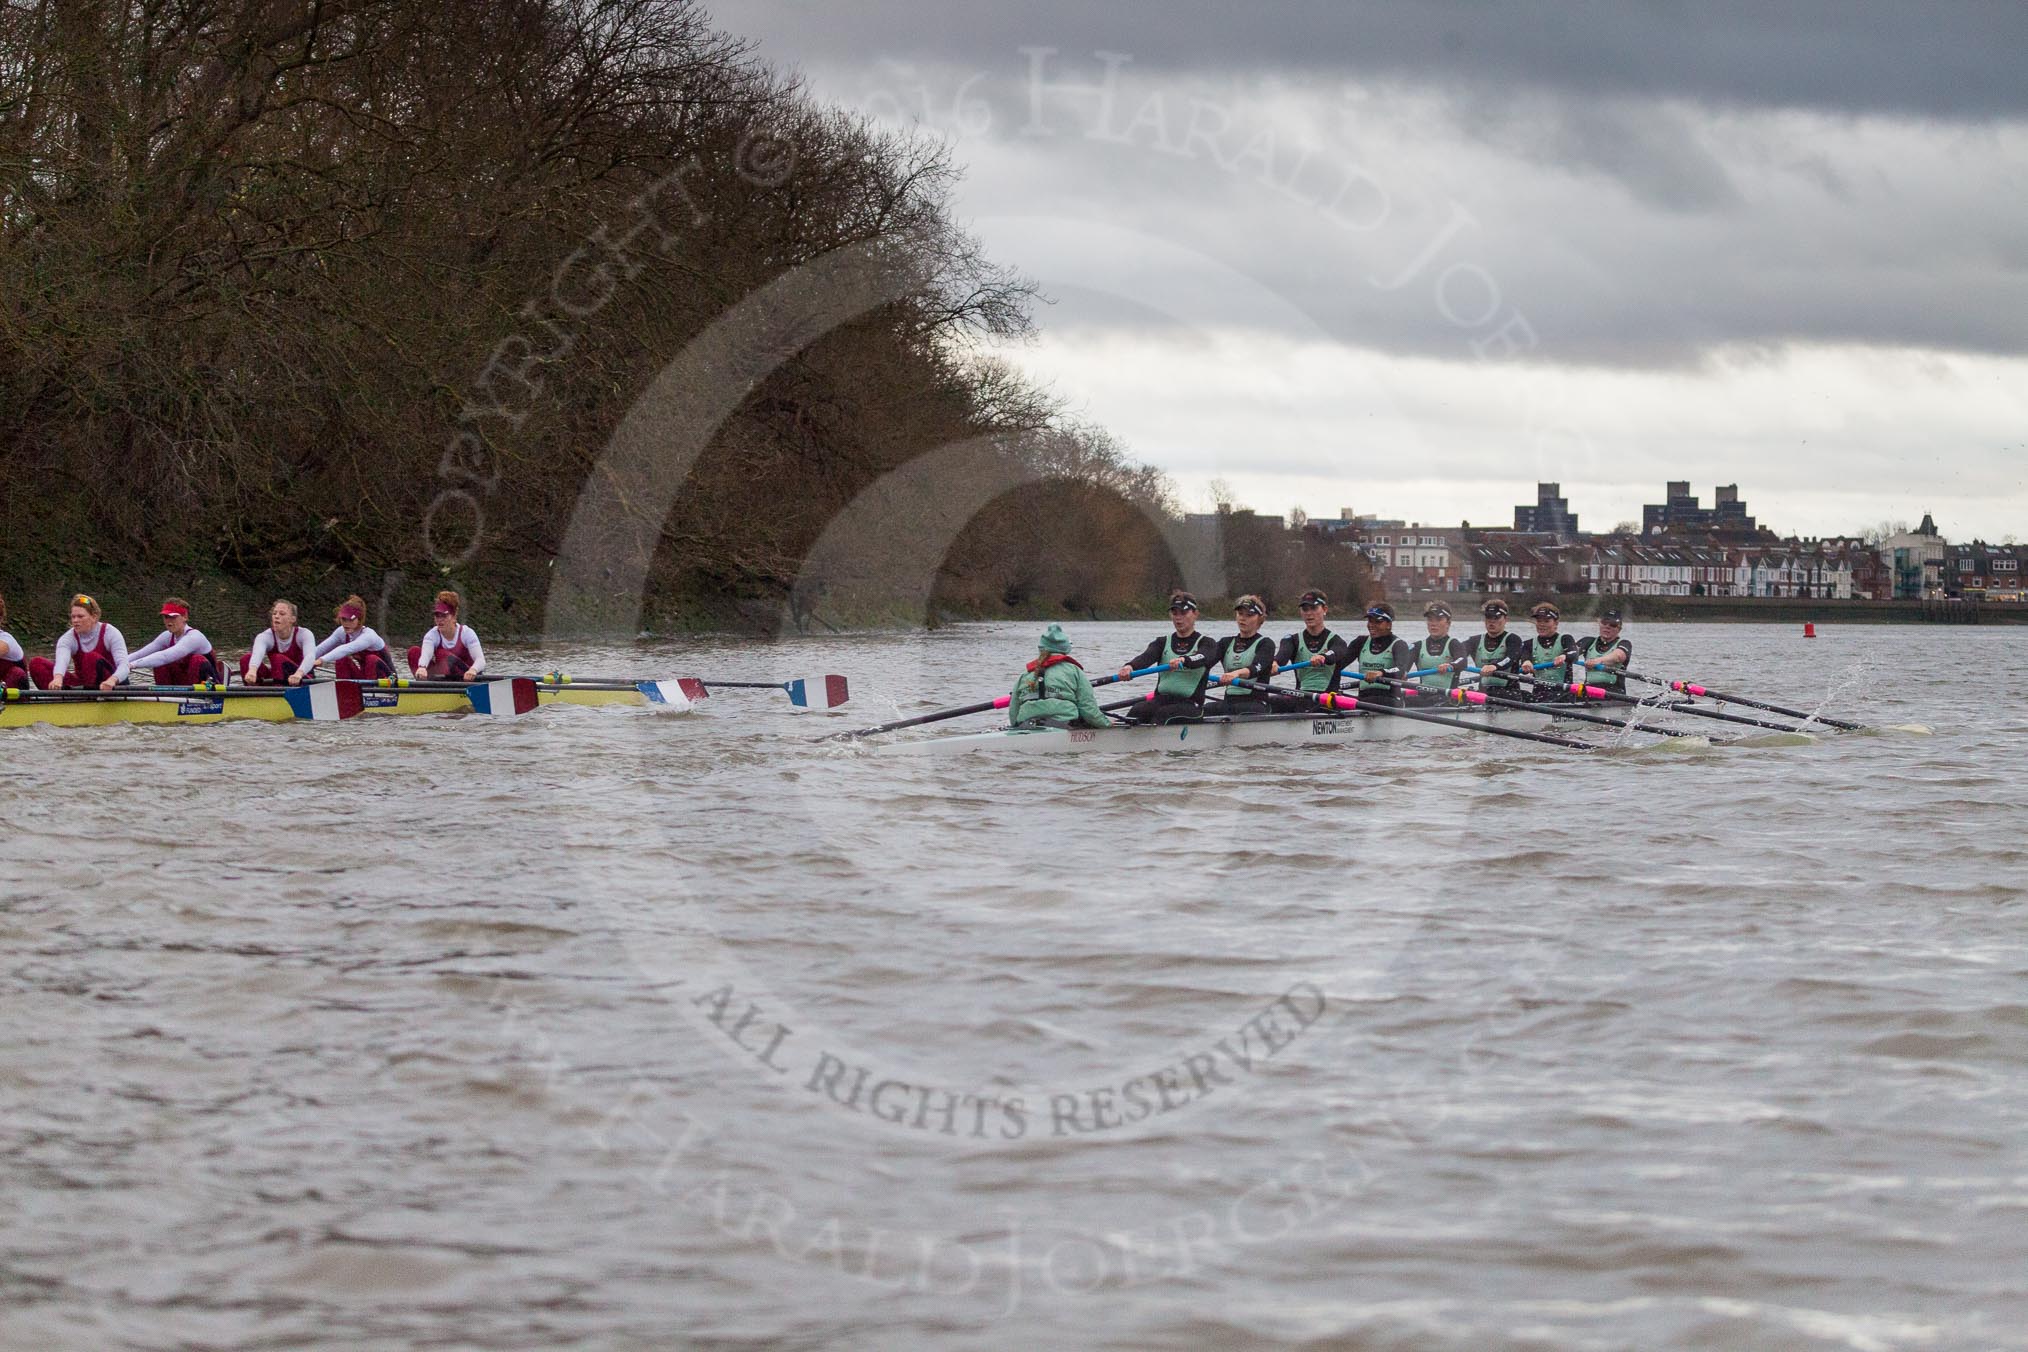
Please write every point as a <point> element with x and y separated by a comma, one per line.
<point>1407,556</point>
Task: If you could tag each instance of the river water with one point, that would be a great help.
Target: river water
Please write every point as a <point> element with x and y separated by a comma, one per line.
<point>611,1028</point>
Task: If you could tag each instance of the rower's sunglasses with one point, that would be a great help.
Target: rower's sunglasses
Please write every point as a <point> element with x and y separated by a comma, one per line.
<point>1309,605</point>
<point>1182,610</point>
<point>82,600</point>
<point>1544,615</point>
<point>1248,610</point>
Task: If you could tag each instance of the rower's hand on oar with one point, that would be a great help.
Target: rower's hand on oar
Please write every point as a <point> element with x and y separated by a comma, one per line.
<point>108,683</point>
<point>1126,671</point>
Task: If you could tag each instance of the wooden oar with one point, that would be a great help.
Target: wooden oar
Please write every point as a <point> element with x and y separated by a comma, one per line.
<point>1693,690</point>
<point>983,707</point>
<point>1351,703</point>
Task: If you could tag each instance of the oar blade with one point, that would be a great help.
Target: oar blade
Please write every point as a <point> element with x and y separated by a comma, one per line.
<point>503,699</point>
<point>676,696</point>
<point>324,702</point>
<point>817,692</point>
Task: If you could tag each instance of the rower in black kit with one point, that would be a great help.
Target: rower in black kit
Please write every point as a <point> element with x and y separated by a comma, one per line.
<point>1302,649</point>
<point>1248,655</point>
<point>1552,651</point>
<point>1606,656</point>
<point>1379,657</point>
<point>1179,694</point>
<point>1499,653</point>
<point>1440,656</point>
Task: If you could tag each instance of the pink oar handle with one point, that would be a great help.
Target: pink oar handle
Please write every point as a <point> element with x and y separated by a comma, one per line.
<point>1686,687</point>
<point>1003,701</point>
<point>1463,696</point>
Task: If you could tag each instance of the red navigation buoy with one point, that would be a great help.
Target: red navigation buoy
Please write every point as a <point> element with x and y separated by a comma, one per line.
<point>1809,629</point>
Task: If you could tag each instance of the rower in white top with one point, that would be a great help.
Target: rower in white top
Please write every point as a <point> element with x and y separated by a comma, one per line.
<point>90,653</point>
<point>450,651</point>
<point>285,652</point>
<point>355,652</point>
<point>13,666</point>
<point>179,655</point>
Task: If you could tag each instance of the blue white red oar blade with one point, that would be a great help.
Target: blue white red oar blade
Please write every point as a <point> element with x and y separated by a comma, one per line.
<point>675,696</point>
<point>503,699</point>
<point>324,702</point>
<point>817,692</point>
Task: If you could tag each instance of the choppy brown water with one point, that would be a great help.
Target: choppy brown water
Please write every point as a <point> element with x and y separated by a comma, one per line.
<point>417,1032</point>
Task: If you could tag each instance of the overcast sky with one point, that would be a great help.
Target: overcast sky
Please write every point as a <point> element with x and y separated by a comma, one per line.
<point>1411,258</point>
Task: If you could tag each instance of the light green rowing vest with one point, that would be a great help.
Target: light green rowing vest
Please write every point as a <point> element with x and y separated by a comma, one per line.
<point>1482,655</point>
<point>1370,663</point>
<point>1314,679</point>
<point>1554,677</point>
<point>1178,684</point>
<point>1437,682</point>
<point>1607,678</point>
<point>1237,657</point>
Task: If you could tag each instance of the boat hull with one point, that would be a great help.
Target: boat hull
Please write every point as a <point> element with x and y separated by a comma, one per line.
<point>194,707</point>
<point>1216,733</point>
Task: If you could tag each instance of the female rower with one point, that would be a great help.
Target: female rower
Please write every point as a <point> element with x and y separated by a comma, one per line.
<point>1552,651</point>
<point>284,653</point>
<point>355,652</point>
<point>1248,655</point>
<point>1179,694</point>
<point>449,651</point>
<point>1439,655</point>
<point>90,653</point>
<point>1320,653</point>
<point>1605,658</point>
<point>179,655</point>
<point>1499,653</point>
<point>1054,691</point>
<point>1379,657</point>
<point>13,666</point>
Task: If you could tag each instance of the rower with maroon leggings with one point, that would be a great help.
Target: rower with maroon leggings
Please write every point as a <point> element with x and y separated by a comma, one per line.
<point>355,652</point>
<point>90,655</point>
<point>285,653</point>
<point>179,655</point>
<point>450,651</point>
<point>13,665</point>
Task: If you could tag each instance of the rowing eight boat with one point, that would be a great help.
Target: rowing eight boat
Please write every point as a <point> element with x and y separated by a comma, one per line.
<point>65,709</point>
<point>1217,732</point>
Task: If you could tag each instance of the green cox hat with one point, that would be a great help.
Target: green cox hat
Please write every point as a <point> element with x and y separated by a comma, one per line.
<point>1054,640</point>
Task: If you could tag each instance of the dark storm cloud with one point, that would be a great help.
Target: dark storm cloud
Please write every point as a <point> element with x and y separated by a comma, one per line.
<point>1951,60</point>
<point>1646,185</point>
